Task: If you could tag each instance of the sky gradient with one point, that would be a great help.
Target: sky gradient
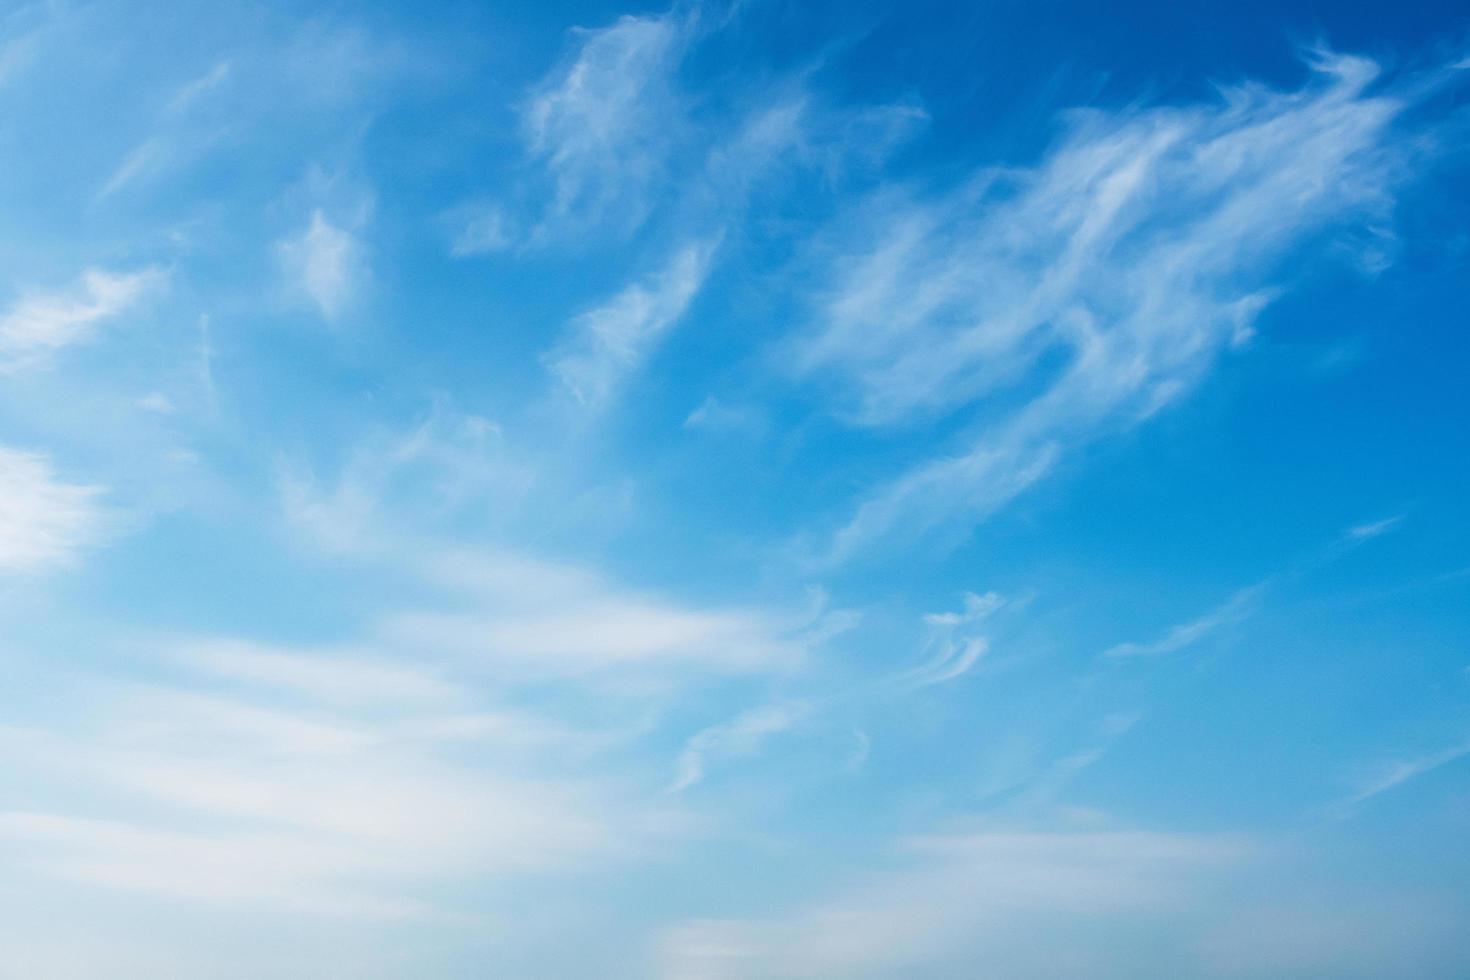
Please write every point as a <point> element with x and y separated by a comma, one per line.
<point>734,491</point>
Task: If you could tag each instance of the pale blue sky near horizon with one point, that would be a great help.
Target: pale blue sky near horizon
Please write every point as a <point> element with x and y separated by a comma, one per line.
<point>739,489</point>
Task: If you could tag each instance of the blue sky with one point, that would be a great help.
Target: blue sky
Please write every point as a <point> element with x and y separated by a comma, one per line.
<point>738,490</point>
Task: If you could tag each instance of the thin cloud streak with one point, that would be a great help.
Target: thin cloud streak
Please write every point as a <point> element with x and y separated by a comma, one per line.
<point>1396,774</point>
<point>1185,635</point>
<point>607,344</point>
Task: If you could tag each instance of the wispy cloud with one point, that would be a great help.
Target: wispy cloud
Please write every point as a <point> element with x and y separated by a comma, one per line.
<point>334,678</point>
<point>963,899</point>
<point>742,736</point>
<point>954,646</point>
<point>20,43</point>
<point>42,323</point>
<point>608,343</point>
<point>328,782</point>
<point>200,86</point>
<point>604,124</point>
<point>713,415</point>
<point>299,809</point>
<point>1184,635</point>
<point>607,631</point>
<point>139,160</point>
<point>618,137</point>
<point>1394,774</point>
<point>481,227</point>
<point>1136,250</point>
<point>533,619</point>
<point>428,469</point>
<point>1373,529</point>
<point>44,522</point>
<point>325,263</point>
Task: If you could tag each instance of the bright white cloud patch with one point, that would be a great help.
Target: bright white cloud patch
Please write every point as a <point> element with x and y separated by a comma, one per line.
<point>44,521</point>
<point>1131,255</point>
<point>41,323</point>
<point>227,800</point>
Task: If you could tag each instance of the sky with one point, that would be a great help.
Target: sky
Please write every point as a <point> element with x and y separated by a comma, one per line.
<point>745,490</point>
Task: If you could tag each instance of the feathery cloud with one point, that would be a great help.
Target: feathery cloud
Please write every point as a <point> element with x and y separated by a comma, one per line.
<point>604,125</point>
<point>1373,529</point>
<point>954,646</point>
<point>608,343</point>
<point>742,736</point>
<point>39,324</point>
<point>1233,610</point>
<point>1395,774</point>
<point>326,263</point>
<point>963,896</point>
<point>44,522</point>
<point>1134,252</point>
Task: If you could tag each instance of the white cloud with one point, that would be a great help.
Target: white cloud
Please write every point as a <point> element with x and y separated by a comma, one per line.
<point>713,415</point>
<point>325,263</point>
<point>604,126</point>
<point>605,631</point>
<point>430,469</point>
<point>196,88</point>
<point>330,678</point>
<point>742,736</point>
<point>1098,285</point>
<point>44,522</point>
<point>1362,532</point>
<point>1395,774</point>
<point>39,324</point>
<point>953,646</point>
<point>608,343</point>
<point>171,146</point>
<point>351,799</point>
<point>156,402</point>
<point>484,228</point>
<point>968,899</point>
<point>1233,610</point>
<point>142,158</point>
<point>18,51</point>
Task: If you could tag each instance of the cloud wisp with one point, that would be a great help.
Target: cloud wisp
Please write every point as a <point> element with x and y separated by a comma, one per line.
<point>44,521</point>
<point>963,898</point>
<point>607,344</point>
<point>40,324</point>
<point>1098,285</point>
<point>1185,635</point>
<point>326,264</point>
<point>1392,775</point>
<point>605,124</point>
